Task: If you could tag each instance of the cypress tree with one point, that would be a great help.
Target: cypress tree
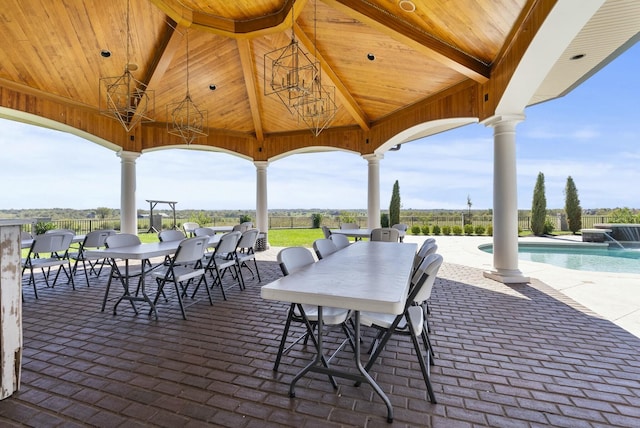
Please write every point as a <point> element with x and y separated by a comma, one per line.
<point>572,206</point>
<point>394,206</point>
<point>539,207</point>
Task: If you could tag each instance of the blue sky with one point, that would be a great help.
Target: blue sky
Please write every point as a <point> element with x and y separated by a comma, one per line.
<point>592,134</point>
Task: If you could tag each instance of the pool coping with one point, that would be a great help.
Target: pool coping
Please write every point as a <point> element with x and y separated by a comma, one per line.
<point>614,296</point>
<point>564,244</point>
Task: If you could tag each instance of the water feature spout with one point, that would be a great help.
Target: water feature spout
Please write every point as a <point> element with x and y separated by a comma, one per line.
<point>612,239</point>
<point>626,235</point>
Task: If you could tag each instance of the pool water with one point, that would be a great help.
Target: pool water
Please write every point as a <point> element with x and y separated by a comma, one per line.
<point>598,258</point>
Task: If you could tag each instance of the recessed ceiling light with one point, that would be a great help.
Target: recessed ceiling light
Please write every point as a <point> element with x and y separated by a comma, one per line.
<point>371,57</point>
<point>212,87</point>
<point>577,57</point>
<point>105,53</point>
<point>407,6</point>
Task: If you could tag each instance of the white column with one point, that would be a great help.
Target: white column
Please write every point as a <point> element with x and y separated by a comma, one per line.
<point>11,340</point>
<point>373,195</point>
<point>262,213</point>
<point>128,213</point>
<point>505,201</point>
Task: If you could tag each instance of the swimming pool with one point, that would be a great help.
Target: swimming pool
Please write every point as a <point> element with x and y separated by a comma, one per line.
<point>584,257</point>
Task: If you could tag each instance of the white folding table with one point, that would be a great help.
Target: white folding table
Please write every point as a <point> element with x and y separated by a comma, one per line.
<point>142,252</point>
<point>220,229</point>
<point>358,234</point>
<point>365,276</point>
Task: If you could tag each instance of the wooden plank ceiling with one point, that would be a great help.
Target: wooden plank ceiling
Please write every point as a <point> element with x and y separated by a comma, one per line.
<point>384,57</point>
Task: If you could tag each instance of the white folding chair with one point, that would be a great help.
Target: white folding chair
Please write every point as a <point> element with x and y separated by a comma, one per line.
<point>340,241</point>
<point>133,271</point>
<point>189,228</point>
<point>385,234</point>
<point>93,240</point>
<point>245,251</point>
<point>203,231</point>
<point>222,259</point>
<point>410,322</point>
<point>170,235</point>
<point>428,247</point>
<point>402,228</point>
<point>49,250</point>
<point>290,260</point>
<point>324,248</point>
<point>183,268</point>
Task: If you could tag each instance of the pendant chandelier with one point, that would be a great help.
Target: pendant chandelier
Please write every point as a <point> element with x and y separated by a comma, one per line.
<point>289,73</point>
<point>296,80</point>
<point>317,108</point>
<point>124,97</point>
<point>187,121</point>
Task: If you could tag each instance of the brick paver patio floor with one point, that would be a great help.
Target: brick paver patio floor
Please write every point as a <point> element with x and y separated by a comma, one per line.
<point>507,356</point>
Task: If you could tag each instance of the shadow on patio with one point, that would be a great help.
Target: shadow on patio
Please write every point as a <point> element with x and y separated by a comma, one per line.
<point>521,355</point>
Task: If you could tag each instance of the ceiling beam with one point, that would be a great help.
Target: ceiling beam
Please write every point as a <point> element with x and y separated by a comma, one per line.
<point>168,45</point>
<point>413,37</point>
<point>345,96</point>
<point>249,73</point>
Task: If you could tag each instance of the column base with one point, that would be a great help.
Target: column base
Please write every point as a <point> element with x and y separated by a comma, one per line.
<point>507,276</point>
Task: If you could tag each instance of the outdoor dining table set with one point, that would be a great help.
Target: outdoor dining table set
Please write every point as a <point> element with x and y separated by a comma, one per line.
<point>177,260</point>
<point>385,285</point>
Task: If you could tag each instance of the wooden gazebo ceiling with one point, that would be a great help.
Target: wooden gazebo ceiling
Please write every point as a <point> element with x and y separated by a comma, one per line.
<point>436,62</point>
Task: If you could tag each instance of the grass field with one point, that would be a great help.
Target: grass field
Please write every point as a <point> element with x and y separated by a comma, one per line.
<point>277,237</point>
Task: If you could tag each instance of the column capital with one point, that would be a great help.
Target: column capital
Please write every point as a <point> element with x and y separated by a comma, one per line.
<point>373,157</point>
<point>128,156</point>
<point>502,119</point>
<point>261,164</point>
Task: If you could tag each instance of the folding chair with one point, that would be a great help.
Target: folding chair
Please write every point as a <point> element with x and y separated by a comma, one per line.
<point>410,322</point>
<point>184,267</point>
<point>49,250</point>
<point>245,251</point>
<point>93,240</point>
<point>223,258</point>
<point>292,259</point>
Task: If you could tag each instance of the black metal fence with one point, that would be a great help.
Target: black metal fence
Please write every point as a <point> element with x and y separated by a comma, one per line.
<point>83,226</point>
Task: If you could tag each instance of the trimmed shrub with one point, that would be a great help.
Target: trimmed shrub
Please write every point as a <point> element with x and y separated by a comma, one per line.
<point>479,230</point>
<point>384,220</point>
<point>42,227</point>
<point>415,230</point>
<point>468,229</point>
<point>446,230</point>
<point>457,230</point>
<point>490,230</point>
<point>436,229</point>
<point>548,227</point>
<point>425,230</point>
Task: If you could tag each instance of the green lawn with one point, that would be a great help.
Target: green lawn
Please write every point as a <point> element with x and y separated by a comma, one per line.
<point>294,237</point>
<point>277,237</point>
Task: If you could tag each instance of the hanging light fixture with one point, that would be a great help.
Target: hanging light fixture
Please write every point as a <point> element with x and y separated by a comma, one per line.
<point>317,107</point>
<point>187,120</point>
<point>289,72</point>
<point>124,97</point>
